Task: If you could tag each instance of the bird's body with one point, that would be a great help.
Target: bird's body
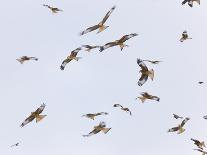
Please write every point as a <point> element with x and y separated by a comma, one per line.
<point>88,48</point>
<point>72,56</point>
<point>122,108</point>
<point>145,96</point>
<point>101,27</point>
<point>184,36</point>
<point>97,129</point>
<point>119,42</point>
<point>53,9</point>
<point>26,58</point>
<point>198,143</point>
<point>190,2</point>
<point>179,129</point>
<point>145,72</point>
<point>92,116</point>
<point>35,115</point>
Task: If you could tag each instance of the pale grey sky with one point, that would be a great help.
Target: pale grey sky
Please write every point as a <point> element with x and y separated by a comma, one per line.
<point>99,80</point>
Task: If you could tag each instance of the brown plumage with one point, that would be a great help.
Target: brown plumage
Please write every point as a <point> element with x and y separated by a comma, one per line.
<point>92,116</point>
<point>26,58</point>
<point>72,56</point>
<point>88,48</point>
<point>146,96</point>
<point>101,25</point>
<point>145,72</point>
<point>119,42</point>
<point>97,129</point>
<point>122,108</point>
<point>198,143</point>
<point>184,36</point>
<point>35,115</point>
<point>179,128</point>
<point>53,9</point>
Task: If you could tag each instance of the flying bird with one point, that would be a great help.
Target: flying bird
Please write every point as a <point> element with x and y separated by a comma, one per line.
<point>200,150</point>
<point>153,62</point>
<point>88,48</point>
<point>179,128</point>
<point>198,143</point>
<point>92,116</point>
<point>145,72</point>
<point>190,2</point>
<point>26,58</point>
<point>100,25</point>
<point>122,108</point>
<point>119,42</point>
<point>97,129</point>
<point>184,36</point>
<point>205,117</point>
<point>177,117</point>
<point>35,115</point>
<point>200,82</point>
<point>145,96</point>
<point>15,145</point>
<point>72,56</point>
<point>53,9</point>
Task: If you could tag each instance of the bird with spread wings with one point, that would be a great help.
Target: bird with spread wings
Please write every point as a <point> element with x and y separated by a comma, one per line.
<point>198,143</point>
<point>179,128</point>
<point>145,96</point>
<point>35,115</point>
<point>184,36</point>
<point>190,2</point>
<point>145,72</point>
<point>97,129</point>
<point>53,9</point>
<point>26,58</point>
<point>88,48</point>
<point>92,116</point>
<point>122,108</point>
<point>100,25</point>
<point>119,42</point>
<point>72,56</point>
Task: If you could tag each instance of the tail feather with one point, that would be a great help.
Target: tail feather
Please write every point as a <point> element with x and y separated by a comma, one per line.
<point>40,117</point>
<point>151,74</point>
<point>105,130</point>
<point>21,61</point>
<point>142,99</point>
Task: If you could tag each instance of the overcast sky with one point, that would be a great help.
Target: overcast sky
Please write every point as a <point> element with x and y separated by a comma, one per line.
<point>99,80</point>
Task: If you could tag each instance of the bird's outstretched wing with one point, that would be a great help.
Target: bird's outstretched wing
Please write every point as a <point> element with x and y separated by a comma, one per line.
<point>173,129</point>
<point>142,64</point>
<point>108,14</point>
<point>185,1</point>
<point>142,79</point>
<point>184,121</point>
<point>92,28</point>
<point>64,63</point>
<point>101,113</point>
<point>40,109</point>
<point>95,131</point>
<point>118,105</point>
<point>108,45</point>
<point>128,36</point>
<point>28,120</point>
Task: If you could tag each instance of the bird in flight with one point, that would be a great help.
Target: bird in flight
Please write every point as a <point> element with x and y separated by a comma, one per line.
<point>177,117</point>
<point>145,96</point>
<point>198,143</point>
<point>153,62</point>
<point>35,115</point>
<point>200,150</point>
<point>122,108</point>
<point>88,48</point>
<point>200,82</point>
<point>15,145</point>
<point>92,116</point>
<point>184,36</point>
<point>97,129</point>
<point>205,117</point>
<point>190,2</point>
<point>119,42</point>
<point>72,56</point>
<point>26,58</point>
<point>145,72</point>
<point>53,9</point>
<point>100,25</point>
<point>179,128</point>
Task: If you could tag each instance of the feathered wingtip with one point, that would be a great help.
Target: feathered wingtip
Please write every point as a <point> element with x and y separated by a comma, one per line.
<point>101,48</point>
<point>139,61</point>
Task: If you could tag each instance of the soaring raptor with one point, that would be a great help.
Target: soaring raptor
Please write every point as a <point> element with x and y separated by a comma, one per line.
<point>179,128</point>
<point>145,72</point>
<point>122,108</point>
<point>184,36</point>
<point>72,56</point>
<point>100,25</point>
<point>97,129</point>
<point>53,9</point>
<point>119,42</point>
<point>92,116</point>
<point>198,143</point>
<point>26,58</point>
<point>190,2</point>
<point>145,96</point>
<point>35,115</point>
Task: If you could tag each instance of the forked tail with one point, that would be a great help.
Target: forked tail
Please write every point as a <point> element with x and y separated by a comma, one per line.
<point>40,117</point>
<point>105,130</point>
